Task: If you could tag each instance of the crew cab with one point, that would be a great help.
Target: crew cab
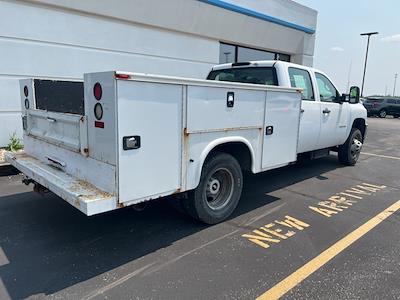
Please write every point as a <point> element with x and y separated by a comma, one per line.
<point>119,138</point>
<point>327,117</point>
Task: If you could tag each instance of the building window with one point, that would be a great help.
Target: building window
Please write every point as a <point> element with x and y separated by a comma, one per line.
<point>227,54</point>
<point>232,53</point>
<point>247,54</point>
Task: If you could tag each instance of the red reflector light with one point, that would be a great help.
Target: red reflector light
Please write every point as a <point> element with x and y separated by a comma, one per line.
<point>122,76</point>
<point>97,91</point>
<point>98,124</point>
<point>26,92</point>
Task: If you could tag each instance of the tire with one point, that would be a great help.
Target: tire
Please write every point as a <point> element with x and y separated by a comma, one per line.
<point>218,192</point>
<point>395,116</point>
<point>349,152</point>
<point>382,114</point>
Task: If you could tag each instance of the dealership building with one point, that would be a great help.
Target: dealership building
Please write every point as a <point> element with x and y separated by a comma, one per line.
<point>67,38</point>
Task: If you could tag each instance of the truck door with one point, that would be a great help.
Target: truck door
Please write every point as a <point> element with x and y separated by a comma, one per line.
<point>334,116</point>
<point>310,110</point>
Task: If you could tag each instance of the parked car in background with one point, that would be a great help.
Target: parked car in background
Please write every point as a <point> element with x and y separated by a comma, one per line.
<point>382,106</point>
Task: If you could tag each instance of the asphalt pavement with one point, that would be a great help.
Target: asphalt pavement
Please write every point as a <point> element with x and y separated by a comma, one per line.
<point>313,230</point>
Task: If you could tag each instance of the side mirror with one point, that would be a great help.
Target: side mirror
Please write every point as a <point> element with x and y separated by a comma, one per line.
<point>354,94</point>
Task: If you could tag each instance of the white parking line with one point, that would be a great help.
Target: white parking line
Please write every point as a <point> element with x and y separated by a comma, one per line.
<point>379,155</point>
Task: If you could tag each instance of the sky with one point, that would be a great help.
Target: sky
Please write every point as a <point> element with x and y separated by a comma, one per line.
<point>340,50</point>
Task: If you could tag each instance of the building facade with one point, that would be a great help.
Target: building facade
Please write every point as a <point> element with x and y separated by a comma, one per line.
<point>65,39</point>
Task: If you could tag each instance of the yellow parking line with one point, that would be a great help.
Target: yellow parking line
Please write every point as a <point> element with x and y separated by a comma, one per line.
<point>313,265</point>
<point>379,155</point>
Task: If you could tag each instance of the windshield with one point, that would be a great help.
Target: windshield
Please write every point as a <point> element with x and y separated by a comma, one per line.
<point>256,75</point>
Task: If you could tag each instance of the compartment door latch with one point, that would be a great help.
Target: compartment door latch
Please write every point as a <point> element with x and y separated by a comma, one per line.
<point>230,99</point>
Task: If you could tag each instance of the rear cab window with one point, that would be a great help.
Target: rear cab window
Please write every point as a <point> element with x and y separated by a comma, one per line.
<point>255,75</point>
<point>301,79</point>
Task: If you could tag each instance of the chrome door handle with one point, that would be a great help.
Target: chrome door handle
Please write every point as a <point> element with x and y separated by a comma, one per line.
<point>326,111</point>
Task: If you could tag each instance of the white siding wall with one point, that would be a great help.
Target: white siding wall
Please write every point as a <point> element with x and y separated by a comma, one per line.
<point>46,42</point>
<point>65,39</point>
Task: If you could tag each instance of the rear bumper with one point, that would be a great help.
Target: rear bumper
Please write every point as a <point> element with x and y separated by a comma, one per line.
<point>80,194</point>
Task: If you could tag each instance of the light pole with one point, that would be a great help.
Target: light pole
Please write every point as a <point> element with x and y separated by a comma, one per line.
<point>395,81</point>
<point>366,58</point>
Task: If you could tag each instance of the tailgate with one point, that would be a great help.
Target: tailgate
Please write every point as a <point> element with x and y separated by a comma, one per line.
<point>64,130</point>
<point>53,112</point>
<point>79,193</point>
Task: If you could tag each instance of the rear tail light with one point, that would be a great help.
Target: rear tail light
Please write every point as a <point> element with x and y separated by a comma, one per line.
<point>97,91</point>
<point>375,104</point>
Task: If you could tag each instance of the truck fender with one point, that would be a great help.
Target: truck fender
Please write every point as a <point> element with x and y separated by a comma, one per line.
<point>212,145</point>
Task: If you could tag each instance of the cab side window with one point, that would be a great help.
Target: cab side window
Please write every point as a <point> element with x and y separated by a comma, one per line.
<point>301,79</point>
<point>327,92</point>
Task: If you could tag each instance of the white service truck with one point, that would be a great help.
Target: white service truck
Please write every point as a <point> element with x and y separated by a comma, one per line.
<point>119,138</point>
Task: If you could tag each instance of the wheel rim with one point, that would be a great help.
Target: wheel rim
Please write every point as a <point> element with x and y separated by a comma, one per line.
<point>219,189</point>
<point>356,146</point>
<point>382,114</point>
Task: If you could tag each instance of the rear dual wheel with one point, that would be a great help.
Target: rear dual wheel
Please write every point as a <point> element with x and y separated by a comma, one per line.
<point>218,192</point>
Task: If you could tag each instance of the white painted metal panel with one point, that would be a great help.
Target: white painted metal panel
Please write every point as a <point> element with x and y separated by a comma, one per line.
<point>102,141</point>
<point>95,172</point>
<point>63,130</point>
<point>154,112</point>
<point>207,109</point>
<point>310,126</point>
<point>283,114</point>
<point>334,125</point>
<point>200,144</point>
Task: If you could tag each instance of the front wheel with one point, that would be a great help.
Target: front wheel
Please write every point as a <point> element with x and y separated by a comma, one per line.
<point>349,152</point>
<point>219,190</point>
<point>382,113</point>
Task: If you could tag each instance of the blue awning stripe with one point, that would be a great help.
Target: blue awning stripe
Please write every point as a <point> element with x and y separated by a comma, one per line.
<point>258,15</point>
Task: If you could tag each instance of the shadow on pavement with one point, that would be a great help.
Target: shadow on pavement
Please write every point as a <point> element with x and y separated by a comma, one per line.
<point>50,245</point>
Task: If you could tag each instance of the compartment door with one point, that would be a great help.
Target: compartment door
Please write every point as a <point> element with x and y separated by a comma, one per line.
<point>152,112</point>
<point>281,128</point>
